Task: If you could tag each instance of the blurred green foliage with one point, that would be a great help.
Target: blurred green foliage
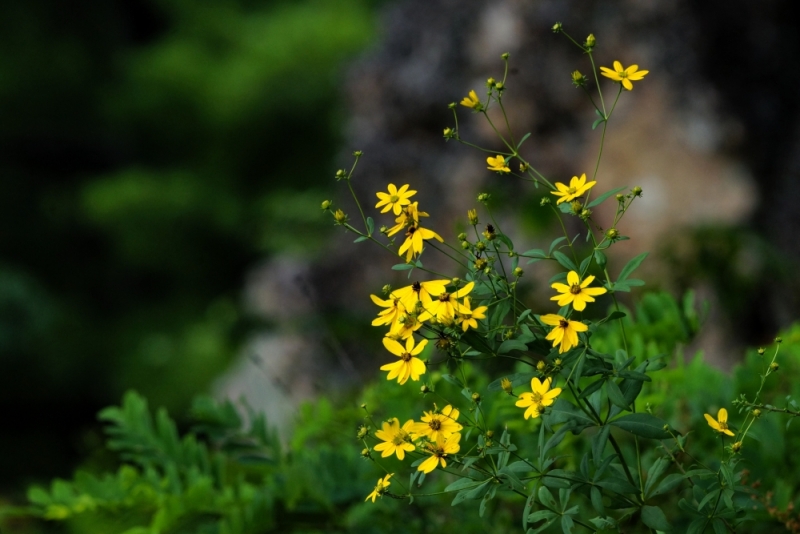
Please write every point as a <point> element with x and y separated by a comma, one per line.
<point>152,150</point>
<point>228,473</point>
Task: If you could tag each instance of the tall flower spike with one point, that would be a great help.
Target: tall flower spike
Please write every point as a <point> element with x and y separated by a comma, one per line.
<point>624,76</point>
<point>576,292</point>
<point>395,199</point>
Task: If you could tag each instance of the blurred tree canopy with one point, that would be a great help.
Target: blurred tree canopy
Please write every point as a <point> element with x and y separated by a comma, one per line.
<point>152,150</point>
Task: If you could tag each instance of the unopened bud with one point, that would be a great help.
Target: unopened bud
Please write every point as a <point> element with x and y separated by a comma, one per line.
<point>774,366</point>
<point>384,229</point>
<point>736,447</point>
<point>365,453</point>
<point>484,197</point>
<point>358,153</point>
<point>386,289</point>
<point>465,245</point>
<point>340,174</point>
<point>462,236</point>
<point>363,406</point>
<point>756,413</point>
<point>476,397</point>
<point>472,215</point>
<point>637,191</point>
<point>339,217</point>
<point>558,362</point>
<point>761,351</point>
<point>557,27</point>
<point>590,41</point>
<point>612,233</point>
<point>325,204</point>
<point>500,87</point>
<point>505,383</point>
<point>362,432</point>
<point>425,389</point>
<point>479,264</point>
<point>545,201</point>
<point>504,56</point>
<point>620,197</point>
<point>541,366</point>
<point>665,428</point>
<point>518,272</point>
<point>451,105</point>
<point>489,434</point>
<point>455,281</point>
<point>578,79</point>
<point>585,214</point>
<point>576,206</point>
<point>480,245</point>
<point>490,83</point>
<point>778,340</point>
<point>523,167</point>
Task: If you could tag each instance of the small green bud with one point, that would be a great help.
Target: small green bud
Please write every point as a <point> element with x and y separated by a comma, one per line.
<point>365,453</point>
<point>505,383</point>
<point>499,86</point>
<point>462,236</point>
<point>665,428</point>
<point>620,197</point>
<point>339,217</point>
<point>585,214</point>
<point>449,133</point>
<point>325,204</point>
<point>518,272</point>
<point>756,413</point>
<point>557,362</point>
<point>363,432</point>
<point>384,229</point>
<point>523,167</point>
<point>480,264</point>
<point>386,289</point>
<point>363,406</point>
<point>484,197</point>
<point>545,201</point>
<point>358,153</point>
<point>451,105</point>
<point>761,351</point>
<point>480,245</point>
<point>578,79</point>
<point>341,174</point>
<point>504,56</point>
<point>425,389</point>
<point>778,340</point>
<point>490,83</point>
<point>472,215</point>
<point>774,366</point>
<point>612,233</point>
<point>465,245</point>
<point>576,206</point>
<point>557,27</point>
<point>590,42</point>
<point>637,191</point>
<point>476,397</point>
<point>455,281</point>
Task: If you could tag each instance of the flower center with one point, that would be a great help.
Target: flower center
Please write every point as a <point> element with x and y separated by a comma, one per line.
<point>416,286</point>
<point>444,297</point>
<point>572,190</point>
<point>723,426</point>
<point>575,289</point>
<point>623,74</point>
<point>435,424</point>
<point>563,323</point>
<point>537,397</point>
<point>399,438</point>
<point>411,230</point>
<point>393,199</point>
<point>405,356</point>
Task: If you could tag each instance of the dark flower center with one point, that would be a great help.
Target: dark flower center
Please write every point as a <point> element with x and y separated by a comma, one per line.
<point>435,424</point>
<point>563,323</point>
<point>405,356</point>
<point>575,289</point>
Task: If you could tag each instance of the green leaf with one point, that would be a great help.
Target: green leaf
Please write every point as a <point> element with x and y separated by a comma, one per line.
<point>360,239</point>
<point>563,411</point>
<point>654,474</point>
<point>555,242</point>
<point>601,198</point>
<point>597,500</point>
<point>567,524</point>
<point>463,483</point>
<point>643,425</point>
<point>615,395</point>
<point>370,225</point>
<point>600,258</point>
<point>546,498</point>
<point>599,441</point>
<point>667,484</point>
<point>511,344</point>
<point>402,267</point>
<point>631,266</point>
<point>524,138</point>
<point>565,261</point>
<point>596,123</point>
<point>653,517</point>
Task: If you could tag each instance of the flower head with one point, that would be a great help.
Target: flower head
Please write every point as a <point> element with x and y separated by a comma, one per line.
<point>721,423</point>
<point>577,188</point>
<point>408,217</point>
<point>396,440</point>
<point>576,292</point>
<point>395,199</point>
<point>380,488</point>
<point>541,396</point>
<point>393,311</point>
<point>565,331</point>
<point>409,366</point>
<point>438,451</point>
<point>436,425</point>
<point>472,101</point>
<point>446,304</point>
<point>625,76</point>
<point>498,164</point>
<point>468,316</point>
<point>415,235</point>
<point>420,292</point>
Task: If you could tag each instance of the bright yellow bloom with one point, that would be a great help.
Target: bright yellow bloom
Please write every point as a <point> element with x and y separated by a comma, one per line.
<point>396,440</point>
<point>439,452</point>
<point>498,164</point>
<point>407,324</point>
<point>565,331</point>
<point>394,310</point>
<point>409,217</point>
<point>721,425</point>
<point>395,199</point>
<point>380,488</point>
<point>436,426</point>
<point>412,246</point>
<point>468,316</point>
<point>577,188</point>
<point>408,366</point>
<point>446,304</point>
<point>422,292</point>
<point>625,76</point>
<point>576,292</point>
<point>471,100</point>
<point>542,396</point>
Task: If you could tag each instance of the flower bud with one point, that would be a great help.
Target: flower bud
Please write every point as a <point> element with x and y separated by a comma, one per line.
<point>545,201</point>
<point>518,272</point>
<point>476,397</point>
<point>590,41</point>
<point>479,264</point>
<point>480,245</point>
<point>384,229</point>
<point>620,197</point>
<point>558,362</point>
<point>505,383</point>
<point>358,153</point>
<point>585,214</point>
<point>504,56</point>
<point>778,340</point>
<point>508,333</point>
<point>578,79</point>
<point>499,86</point>
<point>484,197</point>
<point>462,236</point>
<point>339,217</point>
<point>451,105</point>
<point>665,428</point>
<point>523,167</point>
<point>612,233</point>
<point>425,389</point>
<point>557,27</point>
<point>490,83</point>
<point>472,215</point>
<point>736,447</point>
<point>455,281</point>
<point>340,174</point>
<point>637,191</point>
<point>540,366</point>
<point>362,432</point>
<point>386,289</point>
<point>465,245</point>
<point>365,453</point>
<point>774,366</point>
<point>761,351</point>
<point>756,413</point>
<point>363,406</point>
<point>576,206</point>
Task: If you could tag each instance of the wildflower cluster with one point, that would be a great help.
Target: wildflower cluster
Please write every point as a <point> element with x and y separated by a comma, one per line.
<point>478,314</point>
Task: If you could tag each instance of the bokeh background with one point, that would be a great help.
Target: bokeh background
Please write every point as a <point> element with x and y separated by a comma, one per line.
<point>162,164</point>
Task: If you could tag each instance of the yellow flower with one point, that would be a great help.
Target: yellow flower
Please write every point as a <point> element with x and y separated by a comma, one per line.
<point>468,316</point>
<point>406,325</point>
<point>396,440</point>
<point>577,188</point>
<point>471,100</point>
<point>420,292</point>
<point>408,366</point>
<point>395,199</point>
<point>497,163</point>
<point>576,292</point>
<point>565,331</point>
<point>440,425</point>
<point>412,246</point>
<point>446,304</point>
<point>542,396</point>
<point>721,425</point>
<point>438,452</point>
<point>625,76</point>
<point>409,216</point>
<point>394,310</point>
<point>380,488</point>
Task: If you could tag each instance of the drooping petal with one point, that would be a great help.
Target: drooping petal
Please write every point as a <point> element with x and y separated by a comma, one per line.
<point>393,346</point>
<point>711,422</point>
<point>626,83</point>
<point>551,319</point>
<point>428,465</point>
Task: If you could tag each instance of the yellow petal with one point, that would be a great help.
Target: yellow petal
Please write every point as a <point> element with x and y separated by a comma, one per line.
<point>393,346</point>
<point>551,319</point>
<point>626,83</point>
<point>711,422</point>
<point>722,415</point>
<point>573,278</point>
<point>618,66</point>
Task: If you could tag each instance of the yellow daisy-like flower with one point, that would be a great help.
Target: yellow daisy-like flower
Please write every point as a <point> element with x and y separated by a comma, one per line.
<point>423,292</point>
<point>438,452</point>
<point>446,305</point>
<point>406,325</point>
<point>415,235</point>
<point>471,100</point>
<point>565,331</point>
<point>409,366</point>
<point>576,292</point>
<point>380,488</point>
<point>395,199</point>
<point>577,188</point>
<point>396,440</point>
<point>721,423</point>
<point>497,164</point>
<point>468,316</point>
<point>625,76</point>
<point>542,396</point>
<point>436,426</point>
<point>409,217</point>
<point>394,310</point>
